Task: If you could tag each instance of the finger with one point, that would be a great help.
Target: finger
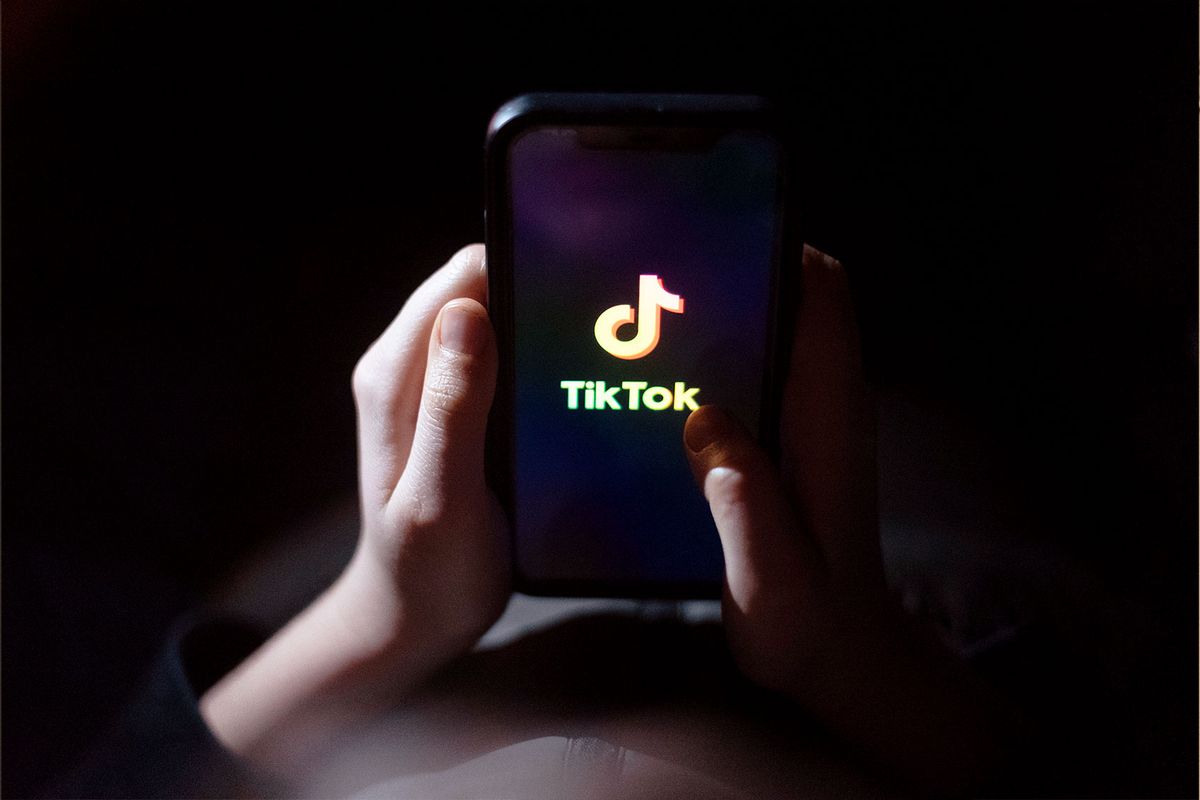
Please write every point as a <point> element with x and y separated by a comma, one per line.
<point>445,468</point>
<point>763,547</point>
<point>827,429</point>
<point>388,378</point>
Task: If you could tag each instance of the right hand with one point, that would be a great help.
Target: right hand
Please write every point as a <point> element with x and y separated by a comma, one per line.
<point>806,609</point>
<point>801,542</point>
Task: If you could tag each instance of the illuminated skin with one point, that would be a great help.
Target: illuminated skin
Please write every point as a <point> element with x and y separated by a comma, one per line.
<point>431,570</point>
<point>806,611</point>
<point>653,298</point>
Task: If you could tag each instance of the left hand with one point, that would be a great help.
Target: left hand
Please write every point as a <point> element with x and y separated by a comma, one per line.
<point>431,571</point>
<point>432,564</point>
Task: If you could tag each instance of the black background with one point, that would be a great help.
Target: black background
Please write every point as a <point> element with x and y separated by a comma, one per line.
<point>209,212</point>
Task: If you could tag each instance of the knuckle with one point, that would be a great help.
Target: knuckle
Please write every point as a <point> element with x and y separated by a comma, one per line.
<point>366,381</point>
<point>429,521</point>
<point>447,395</point>
<point>425,516</point>
<point>726,489</point>
<point>415,513</point>
<point>471,257</point>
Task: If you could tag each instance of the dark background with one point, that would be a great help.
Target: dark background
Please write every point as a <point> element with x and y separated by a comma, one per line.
<point>208,213</point>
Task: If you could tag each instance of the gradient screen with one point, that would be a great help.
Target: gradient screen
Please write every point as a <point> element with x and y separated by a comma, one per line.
<point>641,286</point>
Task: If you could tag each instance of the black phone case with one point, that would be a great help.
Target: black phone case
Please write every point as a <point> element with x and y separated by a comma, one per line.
<point>638,110</point>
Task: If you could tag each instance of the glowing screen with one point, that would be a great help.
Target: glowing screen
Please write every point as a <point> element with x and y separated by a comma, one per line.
<point>641,286</point>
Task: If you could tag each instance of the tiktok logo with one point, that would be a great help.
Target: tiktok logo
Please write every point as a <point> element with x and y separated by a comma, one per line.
<point>652,300</point>
<point>598,395</point>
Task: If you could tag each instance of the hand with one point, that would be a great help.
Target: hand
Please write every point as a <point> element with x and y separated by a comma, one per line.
<point>432,564</point>
<point>801,542</point>
<point>805,608</point>
<point>431,570</point>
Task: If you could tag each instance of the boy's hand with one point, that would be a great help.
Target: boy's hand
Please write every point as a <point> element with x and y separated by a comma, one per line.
<point>806,610</point>
<point>431,570</point>
<point>801,540</point>
<point>432,565</point>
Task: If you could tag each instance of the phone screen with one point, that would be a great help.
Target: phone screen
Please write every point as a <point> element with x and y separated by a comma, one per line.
<point>642,279</point>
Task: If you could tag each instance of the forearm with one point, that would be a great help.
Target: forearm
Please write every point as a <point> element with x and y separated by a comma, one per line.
<point>341,661</point>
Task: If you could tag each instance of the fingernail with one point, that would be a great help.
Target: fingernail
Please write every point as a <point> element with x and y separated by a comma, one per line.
<point>706,425</point>
<point>462,330</point>
<point>822,272</point>
<point>815,258</point>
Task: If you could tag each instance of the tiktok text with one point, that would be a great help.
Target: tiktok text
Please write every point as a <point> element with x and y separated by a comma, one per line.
<point>598,396</point>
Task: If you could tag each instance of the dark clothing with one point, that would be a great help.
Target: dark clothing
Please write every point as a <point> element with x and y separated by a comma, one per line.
<point>160,746</point>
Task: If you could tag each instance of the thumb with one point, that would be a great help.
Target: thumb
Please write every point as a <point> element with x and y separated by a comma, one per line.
<point>446,461</point>
<point>765,553</point>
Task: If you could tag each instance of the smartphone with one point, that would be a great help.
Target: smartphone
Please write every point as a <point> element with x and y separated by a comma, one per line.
<point>634,245</point>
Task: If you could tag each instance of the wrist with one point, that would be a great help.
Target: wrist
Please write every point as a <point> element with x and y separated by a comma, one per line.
<point>403,639</point>
<point>344,659</point>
